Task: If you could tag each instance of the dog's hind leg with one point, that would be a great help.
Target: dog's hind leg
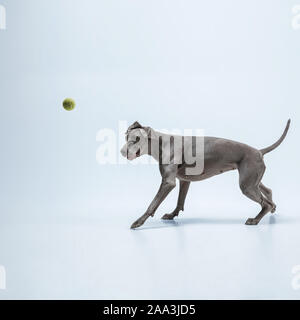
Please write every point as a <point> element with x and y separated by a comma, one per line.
<point>251,171</point>
<point>183,190</point>
<point>268,194</point>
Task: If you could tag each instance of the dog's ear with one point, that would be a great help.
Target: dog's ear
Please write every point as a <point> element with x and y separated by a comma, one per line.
<point>149,133</point>
<point>135,125</point>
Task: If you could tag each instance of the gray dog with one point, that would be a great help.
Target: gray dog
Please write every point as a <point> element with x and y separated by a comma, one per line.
<point>218,155</point>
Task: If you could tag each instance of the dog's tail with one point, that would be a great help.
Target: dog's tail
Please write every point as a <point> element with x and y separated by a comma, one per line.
<point>277,143</point>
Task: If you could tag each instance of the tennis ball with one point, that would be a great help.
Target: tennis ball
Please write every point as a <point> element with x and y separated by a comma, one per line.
<point>69,104</point>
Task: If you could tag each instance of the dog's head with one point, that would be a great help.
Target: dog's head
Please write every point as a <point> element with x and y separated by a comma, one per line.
<point>137,138</point>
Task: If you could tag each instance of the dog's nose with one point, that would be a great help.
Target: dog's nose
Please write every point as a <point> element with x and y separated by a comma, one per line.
<point>124,152</point>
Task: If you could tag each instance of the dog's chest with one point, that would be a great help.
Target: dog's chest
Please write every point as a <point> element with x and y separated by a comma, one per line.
<point>207,172</point>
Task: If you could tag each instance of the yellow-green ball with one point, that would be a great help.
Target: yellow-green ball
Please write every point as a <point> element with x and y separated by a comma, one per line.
<point>69,104</point>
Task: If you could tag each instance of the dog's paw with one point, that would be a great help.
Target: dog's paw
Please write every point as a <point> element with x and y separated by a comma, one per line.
<point>251,222</point>
<point>273,209</point>
<point>168,216</point>
<point>137,224</point>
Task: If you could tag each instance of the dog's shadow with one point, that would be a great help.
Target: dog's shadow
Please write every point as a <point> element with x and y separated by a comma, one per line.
<point>181,222</point>
<point>190,221</point>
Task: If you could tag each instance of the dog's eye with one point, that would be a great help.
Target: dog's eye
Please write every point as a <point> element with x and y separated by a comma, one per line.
<point>137,139</point>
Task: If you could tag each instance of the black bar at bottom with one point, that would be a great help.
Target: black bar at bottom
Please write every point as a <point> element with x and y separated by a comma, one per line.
<point>129,309</point>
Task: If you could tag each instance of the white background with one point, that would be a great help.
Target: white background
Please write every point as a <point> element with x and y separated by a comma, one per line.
<point>228,67</point>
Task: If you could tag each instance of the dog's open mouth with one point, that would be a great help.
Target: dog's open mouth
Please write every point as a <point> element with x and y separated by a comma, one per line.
<point>133,156</point>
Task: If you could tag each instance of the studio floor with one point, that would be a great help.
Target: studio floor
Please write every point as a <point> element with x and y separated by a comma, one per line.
<point>203,256</point>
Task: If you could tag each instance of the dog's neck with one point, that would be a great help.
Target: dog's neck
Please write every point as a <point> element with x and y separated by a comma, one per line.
<point>158,144</point>
<point>153,148</point>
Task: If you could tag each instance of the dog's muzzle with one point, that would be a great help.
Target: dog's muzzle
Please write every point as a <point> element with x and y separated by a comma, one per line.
<point>130,156</point>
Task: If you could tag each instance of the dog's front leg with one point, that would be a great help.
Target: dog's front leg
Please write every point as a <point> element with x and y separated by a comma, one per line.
<point>168,183</point>
<point>183,189</point>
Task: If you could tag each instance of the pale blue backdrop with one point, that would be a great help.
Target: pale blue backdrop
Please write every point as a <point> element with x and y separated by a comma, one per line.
<point>229,67</point>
